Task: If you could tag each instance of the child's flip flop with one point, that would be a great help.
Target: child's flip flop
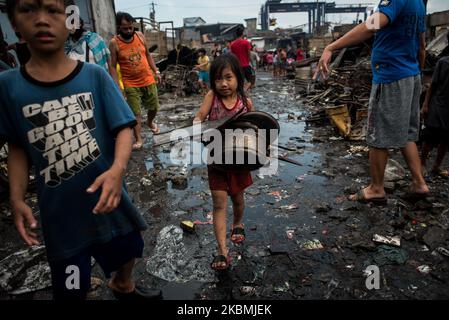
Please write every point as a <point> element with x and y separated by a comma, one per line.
<point>221,259</point>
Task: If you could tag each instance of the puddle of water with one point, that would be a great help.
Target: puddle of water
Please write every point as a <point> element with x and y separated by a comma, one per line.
<point>181,291</point>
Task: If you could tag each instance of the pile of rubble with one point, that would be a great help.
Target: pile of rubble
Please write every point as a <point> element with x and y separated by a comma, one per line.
<point>343,98</point>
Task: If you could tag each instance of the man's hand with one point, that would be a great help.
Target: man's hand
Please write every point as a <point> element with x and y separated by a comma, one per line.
<point>111,194</point>
<point>323,65</point>
<point>25,222</point>
<point>158,76</point>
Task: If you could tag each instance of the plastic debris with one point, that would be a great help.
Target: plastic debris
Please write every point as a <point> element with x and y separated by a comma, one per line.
<point>387,255</point>
<point>423,248</point>
<point>146,182</point>
<point>443,251</point>
<point>357,149</point>
<point>290,207</point>
<point>394,171</point>
<point>188,226</point>
<point>25,271</point>
<point>290,234</point>
<point>172,259</point>
<point>393,241</point>
<point>247,290</point>
<point>424,269</point>
<point>314,244</point>
<point>277,195</point>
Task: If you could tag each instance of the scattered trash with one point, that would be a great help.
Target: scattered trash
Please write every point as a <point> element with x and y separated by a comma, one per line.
<point>210,220</point>
<point>312,245</point>
<point>394,241</point>
<point>394,171</point>
<point>389,255</point>
<point>37,278</point>
<point>358,149</point>
<point>146,182</point>
<point>367,273</point>
<point>172,259</point>
<point>424,269</point>
<point>247,290</point>
<point>443,251</point>
<point>290,207</point>
<point>282,288</point>
<point>423,248</point>
<point>290,234</point>
<point>25,271</point>
<point>277,195</point>
<point>188,226</point>
<point>350,267</point>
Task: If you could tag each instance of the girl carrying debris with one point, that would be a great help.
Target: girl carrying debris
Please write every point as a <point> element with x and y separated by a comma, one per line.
<point>226,98</point>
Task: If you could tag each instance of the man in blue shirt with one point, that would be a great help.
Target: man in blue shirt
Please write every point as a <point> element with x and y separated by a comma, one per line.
<point>394,114</point>
<point>70,120</point>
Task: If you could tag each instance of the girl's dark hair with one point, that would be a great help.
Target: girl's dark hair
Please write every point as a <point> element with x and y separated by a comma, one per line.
<point>202,50</point>
<point>11,6</point>
<point>216,69</point>
<point>124,16</point>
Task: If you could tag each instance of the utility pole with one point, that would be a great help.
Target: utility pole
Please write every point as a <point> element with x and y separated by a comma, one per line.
<point>153,16</point>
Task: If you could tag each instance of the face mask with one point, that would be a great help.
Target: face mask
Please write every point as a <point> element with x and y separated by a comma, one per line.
<point>126,35</point>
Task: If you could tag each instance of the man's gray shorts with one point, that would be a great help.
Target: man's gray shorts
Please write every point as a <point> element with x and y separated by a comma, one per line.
<point>394,113</point>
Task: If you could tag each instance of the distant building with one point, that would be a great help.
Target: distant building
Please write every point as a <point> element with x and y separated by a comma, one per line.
<point>189,34</point>
<point>193,22</point>
<point>219,32</point>
<point>251,26</point>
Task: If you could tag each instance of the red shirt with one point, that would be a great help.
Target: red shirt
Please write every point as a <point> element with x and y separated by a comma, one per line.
<point>299,55</point>
<point>241,48</point>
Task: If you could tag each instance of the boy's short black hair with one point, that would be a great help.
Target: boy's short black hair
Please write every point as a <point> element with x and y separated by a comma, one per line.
<point>239,32</point>
<point>124,16</point>
<point>12,4</point>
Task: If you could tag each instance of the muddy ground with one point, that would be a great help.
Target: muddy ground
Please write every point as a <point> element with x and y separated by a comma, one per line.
<point>304,239</point>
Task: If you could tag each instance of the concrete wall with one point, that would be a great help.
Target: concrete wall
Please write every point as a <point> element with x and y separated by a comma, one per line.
<point>104,16</point>
<point>98,16</point>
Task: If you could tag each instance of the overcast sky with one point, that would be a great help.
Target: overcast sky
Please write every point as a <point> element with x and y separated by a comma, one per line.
<point>213,11</point>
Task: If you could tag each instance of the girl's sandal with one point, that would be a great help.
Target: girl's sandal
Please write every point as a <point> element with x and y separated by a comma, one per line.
<point>238,235</point>
<point>219,260</point>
